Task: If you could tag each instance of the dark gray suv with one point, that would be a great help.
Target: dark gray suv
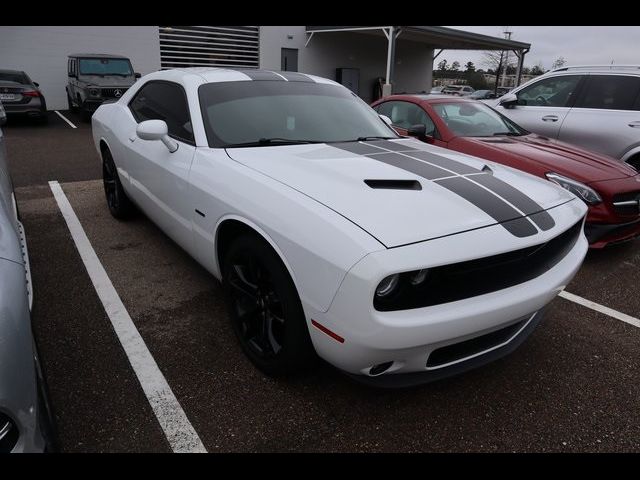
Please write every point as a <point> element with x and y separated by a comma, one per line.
<point>94,78</point>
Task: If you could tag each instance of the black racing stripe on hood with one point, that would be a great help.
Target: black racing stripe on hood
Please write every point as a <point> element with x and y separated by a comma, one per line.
<point>425,170</point>
<point>444,162</point>
<point>518,199</point>
<point>356,147</point>
<point>492,205</point>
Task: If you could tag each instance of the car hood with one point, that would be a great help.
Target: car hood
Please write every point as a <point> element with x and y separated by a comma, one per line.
<point>397,214</point>
<point>563,158</point>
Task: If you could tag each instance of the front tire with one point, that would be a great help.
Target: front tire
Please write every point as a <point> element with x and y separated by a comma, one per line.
<point>119,204</point>
<point>265,309</point>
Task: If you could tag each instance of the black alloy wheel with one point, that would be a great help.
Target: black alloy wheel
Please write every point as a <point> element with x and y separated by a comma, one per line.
<point>265,309</point>
<point>119,204</point>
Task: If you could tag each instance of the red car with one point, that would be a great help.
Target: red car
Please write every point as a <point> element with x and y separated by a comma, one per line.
<point>609,187</point>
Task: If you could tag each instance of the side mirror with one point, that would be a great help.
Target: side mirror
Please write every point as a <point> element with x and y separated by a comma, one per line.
<point>72,75</point>
<point>36,84</point>
<point>508,100</point>
<point>387,120</point>
<point>419,131</point>
<point>137,75</point>
<point>156,130</point>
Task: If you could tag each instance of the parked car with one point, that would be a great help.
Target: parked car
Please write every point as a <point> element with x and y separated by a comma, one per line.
<point>3,116</point>
<point>609,188</point>
<point>94,78</point>
<point>482,95</point>
<point>436,90</point>
<point>596,107</point>
<point>459,90</point>
<point>503,90</point>
<point>25,416</point>
<point>21,96</point>
<point>331,234</point>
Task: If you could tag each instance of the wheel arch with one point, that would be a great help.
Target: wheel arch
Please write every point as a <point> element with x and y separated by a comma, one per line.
<point>231,226</point>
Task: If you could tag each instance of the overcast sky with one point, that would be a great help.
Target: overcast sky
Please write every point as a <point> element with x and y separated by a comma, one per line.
<point>578,45</point>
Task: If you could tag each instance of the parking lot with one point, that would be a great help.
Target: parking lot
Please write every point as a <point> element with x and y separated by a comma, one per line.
<point>572,386</point>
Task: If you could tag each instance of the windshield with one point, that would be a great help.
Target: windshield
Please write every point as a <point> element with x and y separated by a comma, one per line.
<point>253,112</point>
<point>17,77</point>
<point>475,120</point>
<point>105,66</point>
<point>479,94</point>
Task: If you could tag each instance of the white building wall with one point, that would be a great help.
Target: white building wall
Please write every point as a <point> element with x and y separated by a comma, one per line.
<point>42,51</point>
<point>328,51</point>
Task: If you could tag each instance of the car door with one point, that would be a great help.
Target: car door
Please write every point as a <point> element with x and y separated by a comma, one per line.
<point>543,106</point>
<point>606,115</point>
<point>158,177</point>
<point>404,115</point>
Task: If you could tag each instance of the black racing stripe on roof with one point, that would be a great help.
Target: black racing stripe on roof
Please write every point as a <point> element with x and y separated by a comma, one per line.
<point>296,77</point>
<point>518,199</point>
<point>492,205</point>
<point>261,75</point>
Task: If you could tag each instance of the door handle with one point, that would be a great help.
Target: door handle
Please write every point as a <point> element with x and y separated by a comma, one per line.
<point>132,138</point>
<point>550,118</point>
<point>635,124</point>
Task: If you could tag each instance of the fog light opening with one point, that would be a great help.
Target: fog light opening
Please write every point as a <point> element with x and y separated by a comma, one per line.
<point>380,368</point>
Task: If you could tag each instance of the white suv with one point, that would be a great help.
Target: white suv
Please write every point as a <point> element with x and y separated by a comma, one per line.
<point>596,107</point>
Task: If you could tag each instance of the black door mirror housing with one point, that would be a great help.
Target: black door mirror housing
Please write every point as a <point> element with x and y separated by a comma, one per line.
<point>419,131</point>
<point>137,75</point>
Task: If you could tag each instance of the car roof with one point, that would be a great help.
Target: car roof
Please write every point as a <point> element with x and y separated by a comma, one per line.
<point>214,74</point>
<point>97,55</point>
<point>11,71</point>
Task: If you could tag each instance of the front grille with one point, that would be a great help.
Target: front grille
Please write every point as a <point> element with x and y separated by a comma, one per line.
<point>458,281</point>
<point>473,346</point>
<point>627,209</point>
<point>111,92</point>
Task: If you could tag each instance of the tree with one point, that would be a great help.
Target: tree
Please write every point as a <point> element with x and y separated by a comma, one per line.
<point>455,66</point>
<point>469,67</point>
<point>558,63</point>
<point>537,69</point>
<point>442,65</point>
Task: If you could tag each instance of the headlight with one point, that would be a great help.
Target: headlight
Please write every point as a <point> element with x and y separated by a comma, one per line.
<point>94,92</point>
<point>589,195</point>
<point>388,285</point>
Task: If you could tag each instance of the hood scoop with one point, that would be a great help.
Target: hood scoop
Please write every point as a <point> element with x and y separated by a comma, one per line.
<point>394,184</point>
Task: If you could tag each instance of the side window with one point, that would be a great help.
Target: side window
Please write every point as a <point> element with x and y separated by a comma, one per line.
<point>616,92</point>
<point>164,101</point>
<point>550,92</point>
<point>405,115</point>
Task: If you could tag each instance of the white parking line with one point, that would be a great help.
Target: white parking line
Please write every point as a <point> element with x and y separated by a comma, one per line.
<point>176,426</point>
<point>65,119</point>
<point>623,317</point>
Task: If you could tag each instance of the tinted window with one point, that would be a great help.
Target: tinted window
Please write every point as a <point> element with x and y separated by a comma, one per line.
<point>237,113</point>
<point>617,92</point>
<point>405,115</point>
<point>17,77</point>
<point>105,66</point>
<point>550,92</point>
<point>475,120</point>
<point>164,101</point>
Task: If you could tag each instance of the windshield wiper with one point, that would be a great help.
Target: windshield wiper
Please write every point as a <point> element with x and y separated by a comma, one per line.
<point>271,141</point>
<point>508,134</point>
<point>364,139</point>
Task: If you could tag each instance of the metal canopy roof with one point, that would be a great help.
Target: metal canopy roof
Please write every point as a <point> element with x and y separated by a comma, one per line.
<point>437,37</point>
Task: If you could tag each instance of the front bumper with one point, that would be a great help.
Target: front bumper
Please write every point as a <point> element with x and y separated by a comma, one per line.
<point>601,235</point>
<point>405,340</point>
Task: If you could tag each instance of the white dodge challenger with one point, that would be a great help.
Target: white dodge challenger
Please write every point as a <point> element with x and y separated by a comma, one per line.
<point>396,261</point>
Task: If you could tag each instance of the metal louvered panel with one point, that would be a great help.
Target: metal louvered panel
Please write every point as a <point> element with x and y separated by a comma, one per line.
<point>197,46</point>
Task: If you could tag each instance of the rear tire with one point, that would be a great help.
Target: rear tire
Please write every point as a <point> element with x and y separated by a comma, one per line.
<point>72,107</point>
<point>265,310</point>
<point>119,204</point>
